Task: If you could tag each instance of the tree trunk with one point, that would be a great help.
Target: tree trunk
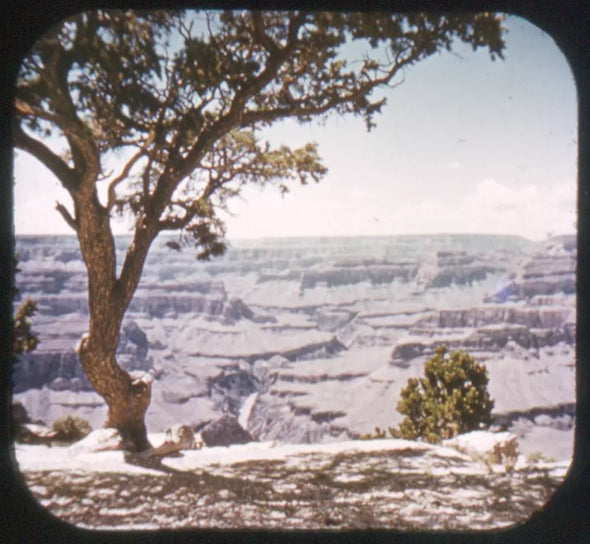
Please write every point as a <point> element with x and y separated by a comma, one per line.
<point>127,414</point>
<point>127,395</point>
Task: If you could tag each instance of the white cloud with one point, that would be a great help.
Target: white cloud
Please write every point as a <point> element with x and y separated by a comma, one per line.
<point>491,207</point>
<point>531,210</point>
<point>491,195</point>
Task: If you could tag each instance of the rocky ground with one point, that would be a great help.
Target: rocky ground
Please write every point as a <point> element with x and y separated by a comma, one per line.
<point>355,485</point>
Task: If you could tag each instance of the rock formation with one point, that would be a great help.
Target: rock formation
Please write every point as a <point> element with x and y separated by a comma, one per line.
<point>225,431</point>
<point>324,331</point>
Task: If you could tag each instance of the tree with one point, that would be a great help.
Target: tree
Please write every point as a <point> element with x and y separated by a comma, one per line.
<point>180,98</point>
<point>24,340</point>
<point>452,398</point>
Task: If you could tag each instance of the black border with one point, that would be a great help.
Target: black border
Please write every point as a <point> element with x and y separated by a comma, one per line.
<point>566,518</point>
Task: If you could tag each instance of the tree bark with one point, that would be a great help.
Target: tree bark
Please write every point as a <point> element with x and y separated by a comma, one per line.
<point>127,399</point>
<point>127,396</point>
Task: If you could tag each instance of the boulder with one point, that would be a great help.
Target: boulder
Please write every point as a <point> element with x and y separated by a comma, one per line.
<point>225,431</point>
<point>488,447</point>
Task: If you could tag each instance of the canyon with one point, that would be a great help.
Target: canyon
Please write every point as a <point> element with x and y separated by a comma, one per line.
<point>309,340</point>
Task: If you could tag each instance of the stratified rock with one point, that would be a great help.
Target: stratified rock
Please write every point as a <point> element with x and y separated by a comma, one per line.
<point>310,325</point>
<point>60,384</point>
<point>179,389</point>
<point>549,271</point>
<point>225,431</point>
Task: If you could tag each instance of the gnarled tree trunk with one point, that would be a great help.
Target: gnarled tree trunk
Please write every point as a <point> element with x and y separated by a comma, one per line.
<point>127,395</point>
<point>127,398</point>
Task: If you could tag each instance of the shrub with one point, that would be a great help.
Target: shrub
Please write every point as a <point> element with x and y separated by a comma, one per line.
<point>71,428</point>
<point>538,457</point>
<point>452,398</point>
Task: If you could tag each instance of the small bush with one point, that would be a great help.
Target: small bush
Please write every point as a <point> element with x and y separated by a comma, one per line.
<point>538,457</point>
<point>378,433</point>
<point>71,428</point>
<point>452,398</point>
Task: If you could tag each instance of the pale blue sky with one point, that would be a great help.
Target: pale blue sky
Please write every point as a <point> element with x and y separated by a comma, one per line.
<point>463,145</point>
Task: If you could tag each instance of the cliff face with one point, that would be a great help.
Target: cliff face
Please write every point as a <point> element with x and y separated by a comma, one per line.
<point>325,332</point>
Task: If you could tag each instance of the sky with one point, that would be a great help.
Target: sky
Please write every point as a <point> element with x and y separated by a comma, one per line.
<point>464,145</point>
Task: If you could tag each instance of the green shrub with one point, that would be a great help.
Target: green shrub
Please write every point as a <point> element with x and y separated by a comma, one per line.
<point>379,433</point>
<point>452,398</point>
<point>71,428</point>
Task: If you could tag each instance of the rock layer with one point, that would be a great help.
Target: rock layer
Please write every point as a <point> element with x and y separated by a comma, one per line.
<point>324,331</point>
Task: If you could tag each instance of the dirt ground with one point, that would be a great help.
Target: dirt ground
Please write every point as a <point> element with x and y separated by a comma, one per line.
<point>347,491</point>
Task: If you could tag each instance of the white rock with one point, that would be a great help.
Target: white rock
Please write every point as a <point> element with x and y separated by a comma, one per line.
<point>40,430</point>
<point>491,448</point>
<point>139,376</point>
<point>181,435</point>
<point>99,440</point>
<point>521,463</point>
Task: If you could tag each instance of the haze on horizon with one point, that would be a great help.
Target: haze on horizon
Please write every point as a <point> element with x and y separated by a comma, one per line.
<point>464,145</point>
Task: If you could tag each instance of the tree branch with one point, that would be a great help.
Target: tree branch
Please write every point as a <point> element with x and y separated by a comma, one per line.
<point>29,110</point>
<point>67,216</point>
<point>299,109</point>
<point>126,169</point>
<point>232,119</point>
<point>261,36</point>
<point>175,223</point>
<point>135,257</point>
<point>66,175</point>
<point>57,63</point>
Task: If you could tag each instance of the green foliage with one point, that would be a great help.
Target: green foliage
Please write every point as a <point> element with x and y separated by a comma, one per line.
<point>379,433</point>
<point>71,428</point>
<point>24,340</point>
<point>452,398</point>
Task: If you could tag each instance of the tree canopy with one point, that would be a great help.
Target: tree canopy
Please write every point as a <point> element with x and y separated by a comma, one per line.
<point>182,96</point>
